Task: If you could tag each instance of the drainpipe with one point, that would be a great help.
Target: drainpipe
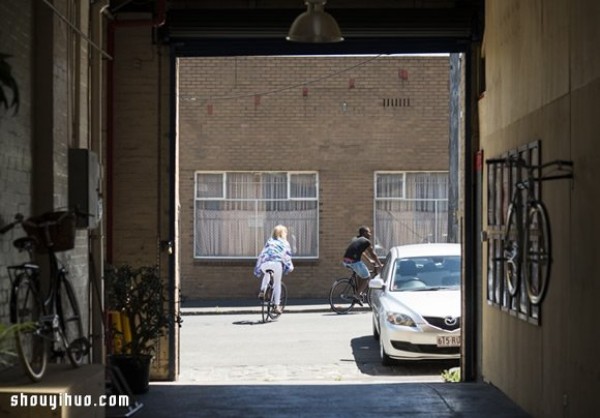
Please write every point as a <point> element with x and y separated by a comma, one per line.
<point>114,24</point>
<point>96,268</point>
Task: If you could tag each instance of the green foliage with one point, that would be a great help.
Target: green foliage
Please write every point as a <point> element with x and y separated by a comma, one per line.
<point>451,375</point>
<point>139,294</point>
<point>8,81</point>
<point>7,332</point>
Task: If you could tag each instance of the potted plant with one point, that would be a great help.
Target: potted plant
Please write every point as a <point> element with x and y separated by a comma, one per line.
<point>136,298</point>
<point>7,335</point>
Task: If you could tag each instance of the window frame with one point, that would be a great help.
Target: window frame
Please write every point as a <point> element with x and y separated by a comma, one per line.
<point>404,198</point>
<point>289,198</point>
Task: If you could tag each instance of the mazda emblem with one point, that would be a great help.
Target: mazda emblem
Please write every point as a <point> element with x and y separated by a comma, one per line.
<point>450,321</point>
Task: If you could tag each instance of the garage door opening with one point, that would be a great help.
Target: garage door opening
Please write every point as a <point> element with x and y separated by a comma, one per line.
<point>322,144</point>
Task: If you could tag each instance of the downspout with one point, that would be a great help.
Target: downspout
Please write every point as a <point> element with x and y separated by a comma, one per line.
<point>110,46</point>
<point>96,238</point>
<point>157,21</point>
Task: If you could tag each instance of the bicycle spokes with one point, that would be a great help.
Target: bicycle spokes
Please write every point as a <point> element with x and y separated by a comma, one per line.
<point>30,339</point>
<point>512,250</point>
<point>269,306</point>
<point>511,266</point>
<point>342,296</point>
<point>538,253</point>
<point>71,326</point>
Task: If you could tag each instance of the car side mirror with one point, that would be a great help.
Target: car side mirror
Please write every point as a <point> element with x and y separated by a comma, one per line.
<point>377,283</point>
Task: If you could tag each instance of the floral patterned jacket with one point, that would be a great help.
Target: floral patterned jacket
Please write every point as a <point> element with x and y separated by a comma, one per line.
<point>275,250</point>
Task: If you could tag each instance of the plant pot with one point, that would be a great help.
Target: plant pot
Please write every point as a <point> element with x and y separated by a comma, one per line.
<point>135,370</point>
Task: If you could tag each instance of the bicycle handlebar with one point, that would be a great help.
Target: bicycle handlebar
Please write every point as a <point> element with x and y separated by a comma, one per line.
<point>18,219</point>
<point>42,221</point>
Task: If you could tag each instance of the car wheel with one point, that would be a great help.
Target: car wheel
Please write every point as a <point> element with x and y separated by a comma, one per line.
<point>385,359</point>
<point>375,332</point>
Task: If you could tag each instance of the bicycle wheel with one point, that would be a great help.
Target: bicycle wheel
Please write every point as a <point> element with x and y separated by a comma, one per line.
<point>26,308</point>
<point>267,304</point>
<point>341,296</point>
<point>513,237</point>
<point>282,301</point>
<point>74,341</point>
<point>538,253</point>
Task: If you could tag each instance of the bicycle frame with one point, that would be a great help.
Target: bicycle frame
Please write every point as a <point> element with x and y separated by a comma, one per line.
<point>268,304</point>
<point>51,316</point>
<point>343,295</point>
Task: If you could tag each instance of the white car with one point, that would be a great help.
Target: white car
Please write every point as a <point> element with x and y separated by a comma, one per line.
<point>416,303</point>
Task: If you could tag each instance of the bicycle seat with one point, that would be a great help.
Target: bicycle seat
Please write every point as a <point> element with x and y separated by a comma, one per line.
<point>269,271</point>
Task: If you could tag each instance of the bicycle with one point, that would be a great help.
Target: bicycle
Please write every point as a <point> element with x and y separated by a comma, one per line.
<point>50,321</point>
<point>527,241</point>
<point>344,294</point>
<point>268,308</point>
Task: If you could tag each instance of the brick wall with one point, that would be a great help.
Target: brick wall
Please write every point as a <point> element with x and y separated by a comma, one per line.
<point>136,171</point>
<point>15,135</point>
<point>139,180</point>
<point>34,162</point>
<point>345,117</point>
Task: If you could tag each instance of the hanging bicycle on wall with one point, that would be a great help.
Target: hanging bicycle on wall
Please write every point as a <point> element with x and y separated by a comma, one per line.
<point>527,240</point>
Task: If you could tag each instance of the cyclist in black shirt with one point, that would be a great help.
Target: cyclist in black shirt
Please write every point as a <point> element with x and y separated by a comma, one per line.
<point>361,246</point>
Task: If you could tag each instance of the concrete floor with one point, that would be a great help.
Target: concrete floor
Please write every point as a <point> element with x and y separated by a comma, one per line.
<point>465,400</point>
<point>315,399</point>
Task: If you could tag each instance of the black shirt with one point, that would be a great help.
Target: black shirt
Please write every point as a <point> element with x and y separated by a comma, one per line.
<point>357,246</point>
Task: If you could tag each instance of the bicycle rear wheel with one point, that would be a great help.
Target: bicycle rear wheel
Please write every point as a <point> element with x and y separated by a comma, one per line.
<point>25,309</point>
<point>538,253</point>
<point>75,343</point>
<point>512,243</point>
<point>342,296</point>
<point>266,304</point>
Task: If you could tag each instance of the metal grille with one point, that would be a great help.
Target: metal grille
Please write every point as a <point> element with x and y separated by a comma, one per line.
<point>424,348</point>
<point>441,323</point>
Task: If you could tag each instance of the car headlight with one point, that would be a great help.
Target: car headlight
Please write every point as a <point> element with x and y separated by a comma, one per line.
<point>400,319</point>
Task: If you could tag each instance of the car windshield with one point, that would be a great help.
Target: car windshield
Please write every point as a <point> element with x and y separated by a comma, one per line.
<point>426,273</point>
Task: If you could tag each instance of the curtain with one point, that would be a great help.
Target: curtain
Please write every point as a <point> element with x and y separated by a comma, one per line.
<point>411,208</point>
<point>238,225</point>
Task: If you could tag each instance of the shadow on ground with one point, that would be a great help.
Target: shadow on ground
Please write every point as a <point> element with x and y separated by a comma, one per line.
<point>366,354</point>
<point>465,400</point>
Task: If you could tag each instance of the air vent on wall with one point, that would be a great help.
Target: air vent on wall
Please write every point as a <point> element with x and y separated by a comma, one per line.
<point>396,102</point>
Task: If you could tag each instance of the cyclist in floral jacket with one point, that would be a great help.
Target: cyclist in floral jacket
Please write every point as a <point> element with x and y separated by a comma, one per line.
<point>277,256</point>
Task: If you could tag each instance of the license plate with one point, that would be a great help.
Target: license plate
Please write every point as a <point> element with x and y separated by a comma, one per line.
<point>448,340</point>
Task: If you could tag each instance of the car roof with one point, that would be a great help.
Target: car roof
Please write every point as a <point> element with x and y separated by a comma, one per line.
<point>427,249</point>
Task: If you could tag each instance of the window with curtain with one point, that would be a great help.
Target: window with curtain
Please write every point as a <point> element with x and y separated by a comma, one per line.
<point>410,207</point>
<point>235,212</point>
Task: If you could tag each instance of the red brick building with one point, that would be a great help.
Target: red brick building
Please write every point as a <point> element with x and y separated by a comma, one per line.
<point>267,140</point>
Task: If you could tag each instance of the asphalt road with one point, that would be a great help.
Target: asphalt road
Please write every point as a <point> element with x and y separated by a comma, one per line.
<point>299,347</point>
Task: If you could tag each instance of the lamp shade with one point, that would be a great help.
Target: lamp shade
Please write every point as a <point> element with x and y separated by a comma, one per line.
<point>315,25</point>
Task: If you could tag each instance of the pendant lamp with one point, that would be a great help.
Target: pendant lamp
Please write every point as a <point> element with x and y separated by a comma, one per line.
<point>315,25</point>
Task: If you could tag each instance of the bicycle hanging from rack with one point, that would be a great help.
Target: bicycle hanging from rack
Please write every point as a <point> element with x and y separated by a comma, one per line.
<point>49,321</point>
<point>527,240</point>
